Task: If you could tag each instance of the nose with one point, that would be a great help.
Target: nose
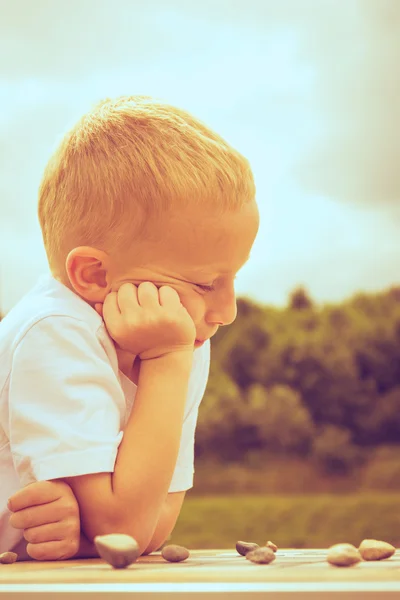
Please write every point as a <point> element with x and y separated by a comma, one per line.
<point>222,314</point>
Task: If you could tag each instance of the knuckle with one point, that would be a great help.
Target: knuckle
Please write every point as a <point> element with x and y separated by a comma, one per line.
<point>31,536</point>
<point>74,546</point>
<point>13,520</point>
<point>38,552</point>
<point>169,290</point>
<point>71,508</point>
<point>68,549</point>
<point>20,520</point>
<point>72,527</point>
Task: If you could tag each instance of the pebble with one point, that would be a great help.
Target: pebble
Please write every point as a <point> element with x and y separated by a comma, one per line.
<point>174,553</point>
<point>271,545</point>
<point>244,547</point>
<point>118,549</point>
<point>6,558</point>
<point>343,555</point>
<point>262,556</point>
<point>376,550</point>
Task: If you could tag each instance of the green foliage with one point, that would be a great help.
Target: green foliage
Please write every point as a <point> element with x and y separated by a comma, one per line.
<point>376,470</point>
<point>334,451</point>
<point>281,421</point>
<point>305,379</point>
<point>219,415</point>
<point>289,521</point>
<point>300,300</point>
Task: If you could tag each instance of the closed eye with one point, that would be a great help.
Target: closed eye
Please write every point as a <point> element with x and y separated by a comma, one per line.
<point>206,288</point>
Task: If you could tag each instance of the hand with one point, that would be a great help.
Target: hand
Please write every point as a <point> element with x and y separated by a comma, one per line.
<point>48,513</point>
<point>148,322</point>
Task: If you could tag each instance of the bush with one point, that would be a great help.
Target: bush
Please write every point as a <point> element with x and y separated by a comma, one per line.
<point>281,421</point>
<point>334,451</point>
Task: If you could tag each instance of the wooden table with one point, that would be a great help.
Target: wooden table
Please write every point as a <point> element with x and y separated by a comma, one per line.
<point>211,574</point>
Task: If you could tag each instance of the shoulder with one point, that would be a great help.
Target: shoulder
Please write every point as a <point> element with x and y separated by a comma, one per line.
<point>51,305</point>
<point>50,318</point>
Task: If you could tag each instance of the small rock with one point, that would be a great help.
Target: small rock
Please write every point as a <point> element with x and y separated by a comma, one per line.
<point>118,549</point>
<point>343,555</point>
<point>6,558</point>
<point>262,556</point>
<point>271,545</point>
<point>244,547</point>
<point>174,553</point>
<point>376,550</point>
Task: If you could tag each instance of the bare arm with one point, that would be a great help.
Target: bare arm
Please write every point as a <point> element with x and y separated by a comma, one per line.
<point>169,514</point>
<point>130,500</point>
<point>167,520</point>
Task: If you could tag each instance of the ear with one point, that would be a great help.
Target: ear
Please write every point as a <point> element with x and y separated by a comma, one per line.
<point>87,270</point>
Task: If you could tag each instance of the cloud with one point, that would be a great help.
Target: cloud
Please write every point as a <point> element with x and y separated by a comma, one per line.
<point>65,40</point>
<point>304,88</point>
<point>355,157</point>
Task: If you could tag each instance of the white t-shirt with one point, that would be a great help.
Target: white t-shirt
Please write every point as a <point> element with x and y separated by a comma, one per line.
<point>63,400</point>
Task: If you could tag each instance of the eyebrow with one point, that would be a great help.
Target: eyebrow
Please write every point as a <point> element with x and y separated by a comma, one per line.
<point>224,272</point>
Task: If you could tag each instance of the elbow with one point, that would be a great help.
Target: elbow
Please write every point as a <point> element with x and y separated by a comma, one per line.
<point>153,547</point>
<point>106,526</point>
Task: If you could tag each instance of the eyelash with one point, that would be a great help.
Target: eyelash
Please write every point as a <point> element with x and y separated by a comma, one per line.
<point>206,288</point>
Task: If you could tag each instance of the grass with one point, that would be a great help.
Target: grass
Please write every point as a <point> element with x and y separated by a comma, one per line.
<point>288,475</point>
<point>297,521</point>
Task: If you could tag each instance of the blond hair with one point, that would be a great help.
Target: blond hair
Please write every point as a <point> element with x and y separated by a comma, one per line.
<point>127,163</point>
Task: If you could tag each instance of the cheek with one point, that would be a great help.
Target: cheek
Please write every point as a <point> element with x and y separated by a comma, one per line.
<point>195,305</point>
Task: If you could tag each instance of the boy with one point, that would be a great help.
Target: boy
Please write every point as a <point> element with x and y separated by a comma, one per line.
<point>146,217</point>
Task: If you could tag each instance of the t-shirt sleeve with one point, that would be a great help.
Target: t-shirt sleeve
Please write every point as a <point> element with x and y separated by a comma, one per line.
<point>65,402</point>
<point>182,478</point>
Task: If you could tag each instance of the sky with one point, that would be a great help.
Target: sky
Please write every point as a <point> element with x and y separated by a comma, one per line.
<point>307,90</point>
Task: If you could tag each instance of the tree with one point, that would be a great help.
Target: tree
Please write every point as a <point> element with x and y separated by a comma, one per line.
<point>280,420</point>
<point>381,424</point>
<point>342,360</point>
<point>240,359</point>
<point>219,413</point>
<point>300,300</point>
<point>334,451</point>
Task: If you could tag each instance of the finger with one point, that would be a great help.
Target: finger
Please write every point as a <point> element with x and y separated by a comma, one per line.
<point>53,550</point>
<point>127,297</point>
<point>51,532</point>
<point>111,306</point>
<point>39,492</point>
<point>169,296</point>
<point>38,515</point>
<point>148,294</point>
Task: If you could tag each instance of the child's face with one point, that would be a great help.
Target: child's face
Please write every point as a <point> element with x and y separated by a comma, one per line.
<point>195,253</point>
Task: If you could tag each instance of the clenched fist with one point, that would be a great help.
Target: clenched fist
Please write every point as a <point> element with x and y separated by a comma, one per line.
<point>147,321</point>
<point>48,513</point>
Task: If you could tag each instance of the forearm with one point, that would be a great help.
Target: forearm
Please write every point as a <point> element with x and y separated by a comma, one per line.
<point>148,451</point>
<point>86,549</point>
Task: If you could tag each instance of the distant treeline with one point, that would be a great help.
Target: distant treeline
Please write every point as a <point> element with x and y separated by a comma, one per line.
<point>321,382</point>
